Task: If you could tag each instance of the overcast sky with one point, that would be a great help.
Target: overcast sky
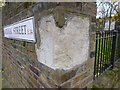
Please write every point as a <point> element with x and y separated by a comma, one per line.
<point>100,8</point>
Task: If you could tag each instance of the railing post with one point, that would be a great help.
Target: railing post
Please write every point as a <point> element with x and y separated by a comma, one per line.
<point>117,42</point>
<point>96,47</point>
<point>113,48</point>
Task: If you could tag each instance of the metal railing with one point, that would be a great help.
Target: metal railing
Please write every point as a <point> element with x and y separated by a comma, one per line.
<point>105,51</point>
<point>118,47</point>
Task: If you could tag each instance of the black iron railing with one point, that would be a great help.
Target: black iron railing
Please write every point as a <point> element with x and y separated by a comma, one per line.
<point>118,47</point>
<point>105,51</point>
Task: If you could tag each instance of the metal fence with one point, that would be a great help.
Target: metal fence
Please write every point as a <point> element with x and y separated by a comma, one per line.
<point>105,51</point>
<point>118,47</point>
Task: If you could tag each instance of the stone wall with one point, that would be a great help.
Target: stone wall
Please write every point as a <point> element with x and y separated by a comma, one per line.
<point>1,47</point>
<point>21,64</point>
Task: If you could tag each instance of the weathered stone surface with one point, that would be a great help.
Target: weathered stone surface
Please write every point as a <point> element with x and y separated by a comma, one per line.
<point>86,81</point>
<point>60,45</point>
<point>68,75</point>
<point>59,16</point>
<point>80,77</point>
<point>66,84</point>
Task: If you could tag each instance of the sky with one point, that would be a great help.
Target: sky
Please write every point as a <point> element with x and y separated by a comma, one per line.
<point>103,6</point>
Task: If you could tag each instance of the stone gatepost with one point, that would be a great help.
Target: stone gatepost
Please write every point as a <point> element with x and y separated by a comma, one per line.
<point>67,52</point>
<point>63,54</point>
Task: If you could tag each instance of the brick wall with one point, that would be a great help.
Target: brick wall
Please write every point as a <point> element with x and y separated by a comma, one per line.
<point>20,64</point>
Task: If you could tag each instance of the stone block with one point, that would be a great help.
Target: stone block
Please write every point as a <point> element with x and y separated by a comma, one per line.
<point>86,81</point>
<point>66,84</point>
<point>89,85</point>
<point>81,69</point>
<point>56,76</point>
<point>45,70</point>
<point>90,63</point>
<point>43,81</point>
<point>76,86</point>
<point>31,55</point>
<point>79,78</point>
<point>63,42</point>
<point>68,75</point>
<point>33,81</point>
<point>89,7</point>
<point>52,83</point>
<point>35,70</point>
<point>37,8</point>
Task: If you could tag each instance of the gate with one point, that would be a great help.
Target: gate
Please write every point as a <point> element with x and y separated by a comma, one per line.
<point>104,51</point>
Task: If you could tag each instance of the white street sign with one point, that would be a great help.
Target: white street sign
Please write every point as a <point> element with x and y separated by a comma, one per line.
<point>22,30</point>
